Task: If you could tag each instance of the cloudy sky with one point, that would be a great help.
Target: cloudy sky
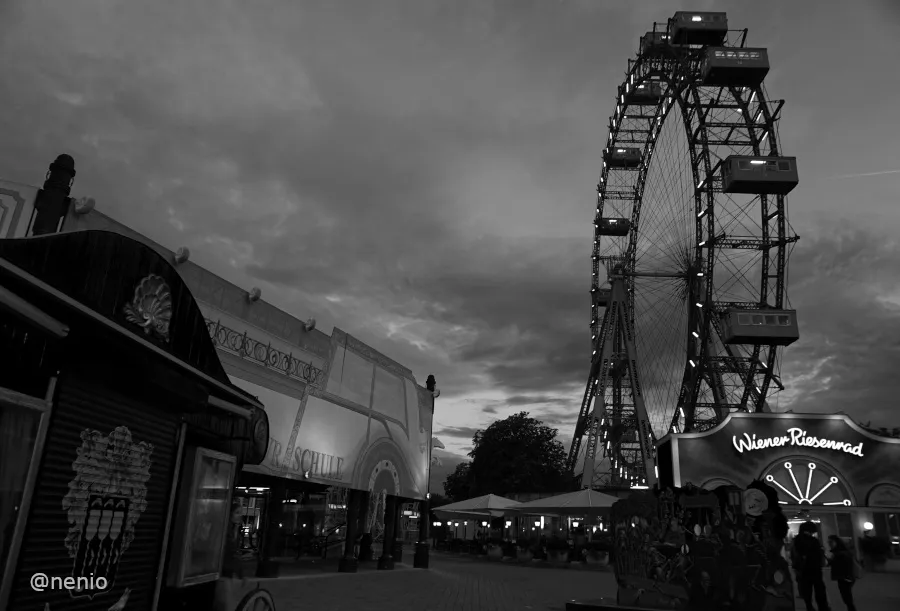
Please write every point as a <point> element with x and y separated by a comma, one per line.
<point>421,173</point>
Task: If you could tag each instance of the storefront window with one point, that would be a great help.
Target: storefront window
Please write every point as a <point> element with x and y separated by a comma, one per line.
<point>252,513</point>
<point>18,431</point>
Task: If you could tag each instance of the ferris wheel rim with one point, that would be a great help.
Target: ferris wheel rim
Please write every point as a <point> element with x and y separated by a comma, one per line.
<point>686,95</point>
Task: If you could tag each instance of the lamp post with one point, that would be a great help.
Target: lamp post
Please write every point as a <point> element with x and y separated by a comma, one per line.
<point>420,559</point>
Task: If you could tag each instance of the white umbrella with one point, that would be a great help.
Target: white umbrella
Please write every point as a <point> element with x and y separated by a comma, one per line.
<point>489,505</point>
<point>581,502</point>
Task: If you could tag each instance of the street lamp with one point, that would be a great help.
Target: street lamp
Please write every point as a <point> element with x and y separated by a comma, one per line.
<point>420,559</point>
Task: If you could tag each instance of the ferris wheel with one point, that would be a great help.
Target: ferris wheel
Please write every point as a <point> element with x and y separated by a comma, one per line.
<point>691,242</point>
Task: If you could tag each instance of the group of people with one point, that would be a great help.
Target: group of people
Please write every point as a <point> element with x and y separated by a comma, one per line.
<point>809,560</point>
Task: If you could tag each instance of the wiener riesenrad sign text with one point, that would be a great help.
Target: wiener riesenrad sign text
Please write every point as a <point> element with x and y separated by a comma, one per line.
<point>794,437</point>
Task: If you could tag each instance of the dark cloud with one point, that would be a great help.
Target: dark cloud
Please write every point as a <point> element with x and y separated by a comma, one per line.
<point>421,174</point>
<point>462,432</point>
<point>847,293</point>
<point>539,400</point>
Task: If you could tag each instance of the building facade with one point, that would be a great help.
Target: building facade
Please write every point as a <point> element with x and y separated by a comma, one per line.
<point>118,426</point>
<point>342,416</point>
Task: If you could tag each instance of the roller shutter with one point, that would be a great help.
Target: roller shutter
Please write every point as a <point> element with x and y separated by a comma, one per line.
<point>108,517</point>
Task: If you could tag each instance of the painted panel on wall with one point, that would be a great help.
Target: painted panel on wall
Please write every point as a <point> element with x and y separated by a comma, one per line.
<point>356,379</point>
<point>324,442</point>
<point>282,412</point>
<point>331,430</point>
<point>389,398</point>
<point>336,373</point>
<point>16,207</point>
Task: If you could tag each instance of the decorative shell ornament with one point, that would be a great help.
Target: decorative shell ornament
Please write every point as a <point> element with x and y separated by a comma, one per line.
<point>151,308</point>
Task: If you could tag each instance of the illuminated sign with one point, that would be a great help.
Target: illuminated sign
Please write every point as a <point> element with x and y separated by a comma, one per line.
<point>310,463</point>
<point>795,437</point>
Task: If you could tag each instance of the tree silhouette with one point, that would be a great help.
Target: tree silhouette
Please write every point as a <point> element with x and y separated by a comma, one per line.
<point>517,454</point>
<point>458,484</point>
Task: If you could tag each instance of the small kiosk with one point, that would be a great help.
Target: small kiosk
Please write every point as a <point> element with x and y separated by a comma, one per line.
<point>120,433</point>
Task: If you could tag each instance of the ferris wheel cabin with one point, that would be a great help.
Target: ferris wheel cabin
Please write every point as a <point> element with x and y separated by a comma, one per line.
<point>648,93</point>
<point>729,67</point>
<point>702,28</point>
<point>654,42</point>
<point>626,158</point>
<point>613,226</point>
<point>759,175</point>
<point>767,327</point>
<point>601,297</point>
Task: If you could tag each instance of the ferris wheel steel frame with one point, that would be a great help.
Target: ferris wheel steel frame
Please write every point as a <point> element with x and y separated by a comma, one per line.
<point>619,451</point>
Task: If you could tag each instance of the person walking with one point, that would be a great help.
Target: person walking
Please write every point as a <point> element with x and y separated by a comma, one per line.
<point>808,558</point>
<point>843,570</point>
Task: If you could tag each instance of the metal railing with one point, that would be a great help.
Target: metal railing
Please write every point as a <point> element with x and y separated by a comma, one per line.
<point>246,347</point>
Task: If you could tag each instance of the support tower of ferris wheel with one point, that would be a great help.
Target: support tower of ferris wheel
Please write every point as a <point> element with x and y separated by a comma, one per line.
<point>691,241</point>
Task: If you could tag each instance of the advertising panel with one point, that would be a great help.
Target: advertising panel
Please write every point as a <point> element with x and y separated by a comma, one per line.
<point>16,207</point>
<point>369,426</point>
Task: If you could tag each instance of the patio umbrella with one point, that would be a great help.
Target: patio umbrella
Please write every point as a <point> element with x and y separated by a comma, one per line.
<point>582,502</point>
<point>489,505</point>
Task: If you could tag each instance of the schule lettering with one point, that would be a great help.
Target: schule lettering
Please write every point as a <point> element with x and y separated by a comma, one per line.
<point>303,460</point>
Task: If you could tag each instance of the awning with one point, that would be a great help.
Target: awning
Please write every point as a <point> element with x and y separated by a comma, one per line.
<point>582,502</point>
<point>487,506</point>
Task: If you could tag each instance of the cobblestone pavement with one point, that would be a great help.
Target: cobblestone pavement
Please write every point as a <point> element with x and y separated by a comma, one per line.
<point>462,584</point>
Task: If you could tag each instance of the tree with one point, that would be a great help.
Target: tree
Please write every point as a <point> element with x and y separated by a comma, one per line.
<point>518,454</point>
<point>459,483</point>
<point>438,500</point>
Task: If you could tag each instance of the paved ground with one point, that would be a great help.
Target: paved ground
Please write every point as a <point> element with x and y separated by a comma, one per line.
<point>464,584</point>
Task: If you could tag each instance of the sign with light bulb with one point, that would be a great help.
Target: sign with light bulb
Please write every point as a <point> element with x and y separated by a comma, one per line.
<point>795,437</point>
